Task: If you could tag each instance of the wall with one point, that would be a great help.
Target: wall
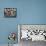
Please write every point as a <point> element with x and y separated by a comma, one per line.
<point>33,12</point>
<point>28,12</point>
<point>7,25</point>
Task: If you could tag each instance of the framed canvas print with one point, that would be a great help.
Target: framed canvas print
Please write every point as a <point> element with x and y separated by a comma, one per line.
<point>10,12</point>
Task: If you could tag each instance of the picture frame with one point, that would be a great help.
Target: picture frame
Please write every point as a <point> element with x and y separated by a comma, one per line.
<point>33,30</point>
<point>10,12</point>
